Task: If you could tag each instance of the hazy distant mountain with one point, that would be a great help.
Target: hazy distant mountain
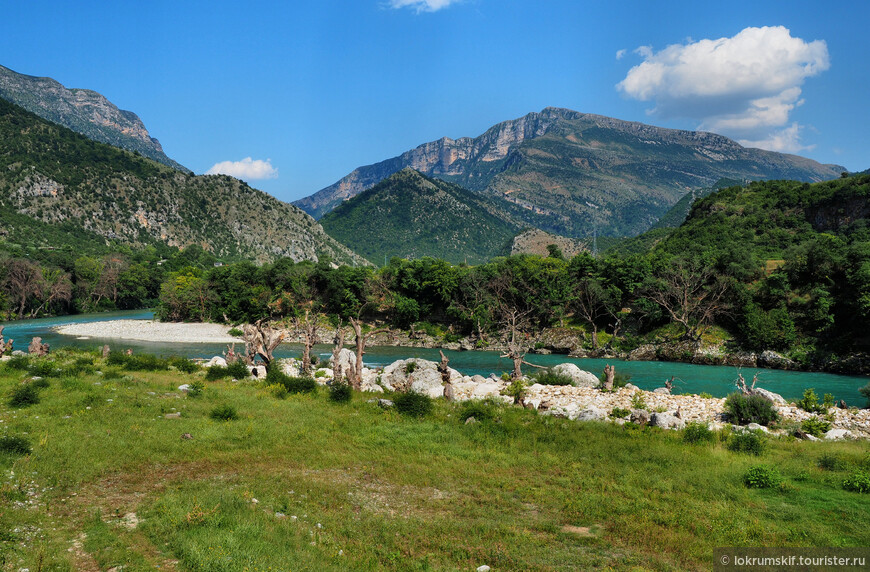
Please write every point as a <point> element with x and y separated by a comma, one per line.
<point>572,173</point>
<point>50,174</point>
<point>410,215</point>
<point>84,111</point>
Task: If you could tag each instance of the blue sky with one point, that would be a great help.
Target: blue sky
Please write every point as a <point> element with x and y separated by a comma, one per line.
<point>307,91</point>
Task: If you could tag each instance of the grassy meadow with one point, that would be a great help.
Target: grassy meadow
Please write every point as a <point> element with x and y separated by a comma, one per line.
<point>300,482</point>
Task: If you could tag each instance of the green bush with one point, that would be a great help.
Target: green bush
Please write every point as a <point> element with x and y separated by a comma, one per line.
<point>858,482</point>
<point>865,391</point>
<point>810,402</point>
<point>224,413</point>
<point>216,372</point>
<point>815,426</point>
<point>183,365</point>
<point>24,395</point>
<point>44,368</point>
<point>760,477</point>
<point>744,409</point>
<point>638,401</point>
<point>620,379</point>
<point>750,442</point>
<point>319,373</point>
<point>550,377</point>
<point>238,370</point>
<point>619,413</point>
<point>705,395</point>
<point>40,383</point>
<point>516,389</point>
<point>23,363</point>
<point>340,392</point>
<point>413,404</point>
<point>831,462</point>
<point>698,433</point>
<point>197,387</point>
<point>138,362</point>
<point>14,445</point>
<point>481,410</point>
<point>236,333</point>
<point>410,367</point>
<point>293,384</point>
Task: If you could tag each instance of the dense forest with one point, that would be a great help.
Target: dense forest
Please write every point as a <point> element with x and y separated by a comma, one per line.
<point>776,265</point>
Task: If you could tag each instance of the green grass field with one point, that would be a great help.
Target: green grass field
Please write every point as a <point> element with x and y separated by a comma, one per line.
<point>303,483</point>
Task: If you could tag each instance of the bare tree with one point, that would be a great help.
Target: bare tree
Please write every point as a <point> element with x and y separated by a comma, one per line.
<point>307,328</point>
<point>37,348</point>
<point>230,355</point>
<point>513,323</point>
<point>261,340</point>
<point>590,302</point>
<point>337,345</point>
<point>691,296</point>
<point>609,376</point>
<point>56,287</point>
<point>743,387</point>
<point>24,281</point>
<point>355,375</point>
<point>4,346</point>
<point>444,370</point>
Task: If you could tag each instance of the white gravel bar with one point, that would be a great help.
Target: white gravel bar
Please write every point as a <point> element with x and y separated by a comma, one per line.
<point>150,331</point>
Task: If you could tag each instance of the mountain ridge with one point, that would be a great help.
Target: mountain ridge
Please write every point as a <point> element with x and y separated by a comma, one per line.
<point>577,174</point>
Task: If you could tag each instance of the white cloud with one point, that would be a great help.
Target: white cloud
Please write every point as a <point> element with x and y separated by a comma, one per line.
<point>423,5</point>
<point>621,54</point>
<point>785,141</point>
<point>247,169</point>
<point>745,86</point>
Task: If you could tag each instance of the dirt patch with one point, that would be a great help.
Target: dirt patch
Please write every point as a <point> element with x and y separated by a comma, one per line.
<point>582,531</point>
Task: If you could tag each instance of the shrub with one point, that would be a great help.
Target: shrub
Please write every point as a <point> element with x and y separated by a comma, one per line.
<point>410,367</point>
<point>858,482</point>
<point>815,426</point>
<point>831,462</point>
<point>550,377</point>
<point>638,401</point>
<point>620,379</point>
<point>751,442</point>
<point>865,391</point>
<point>236,333</point>
<point>197,387</point>
<point>216,372</point>
<point>810,402</point>
<point>292,384</point>
<point>40,383</point>
<point>745,409</point>
<point>277,390</point>
<point>413,404</point>
<point>705,395</point>
<point>319,373</point>
<point>238,370</point>
<point>44,368</point>
<point>480,410</point>
<point>516,389</point>
<point>23,363</point>
<point>24,395</point>
<point>340,392</point>
<point>184,365</point>
<point>619,413</point>
<point>14,445</point>
<point>698,433</point>
<point>760,477</point>
<point>138,362</point>
<point>224,413</point>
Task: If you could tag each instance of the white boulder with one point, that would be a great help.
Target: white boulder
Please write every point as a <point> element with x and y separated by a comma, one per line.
<point>579,377</point>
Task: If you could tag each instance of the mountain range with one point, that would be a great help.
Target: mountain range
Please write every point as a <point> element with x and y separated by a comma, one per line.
<point>84,111</point>
<point>52,175</point>
<point>578,174</point>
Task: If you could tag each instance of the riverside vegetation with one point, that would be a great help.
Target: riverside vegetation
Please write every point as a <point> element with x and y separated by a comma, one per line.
<point>110,464</point>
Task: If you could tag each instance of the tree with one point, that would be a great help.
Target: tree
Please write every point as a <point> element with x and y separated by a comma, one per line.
<point>361,337</point>
<point>261,340</point>
<point>24,281</point>
<point>56,287</point>
<point>307,328</point>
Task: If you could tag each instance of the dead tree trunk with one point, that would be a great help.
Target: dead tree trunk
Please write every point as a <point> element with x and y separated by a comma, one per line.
<point>337,345</point>
<point>308,330</point>
<point>445,376</point>
<point>4,346</point>
<point>609,375</point>
<point>106,351</point>
<point>741,384</point>
<point>230,356</point>
<point>37,348</point>
<point>261,340</point>
<point>360,340</point>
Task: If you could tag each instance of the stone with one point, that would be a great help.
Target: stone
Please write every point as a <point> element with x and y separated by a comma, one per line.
<point>662,390</point>
<point>631,387</point>
<point>592,414</point>
<point>757,427</point>
<point>186,436</point>
<point>385,403</point>
<point>290,367</point>
<point>471,420</point>
<point>771,359</point>
<point>184,387</point>
<point>639,416</point>
<point>176,415</point>
<point>484,390</point>
<point>646,352</point>
<point>216,361</point>
<point>666,421</point>
<point>257,371</point>
<point>579,377</point>
<point>775,398</point>
<point>838,435</point>
<point>346,359</point>
<point>483,568</point>
<point>421,377</point>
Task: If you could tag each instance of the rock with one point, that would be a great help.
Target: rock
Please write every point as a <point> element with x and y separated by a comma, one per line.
<point>812,437</point>
<point>666,421</point>
<point>186,436</point>
<point>323,374</point>
<point>838,435</point>
<point>646,352</point>
<point>216,361</point>
<point>579,377</point>
<point>290,367</point>
<point>776,398</point>
<point>631,387</point>
<point>484,390</point>
<point>772,359</point>
<point>280,515</point>
<point>483,568</point>
<point>176,415</point>
<point>257,371</point>
<point>346,359</point>
<point>592,414</point>
<point>418,375</point>
<point>18,353</point>
<point>757,427</point>
<point>662,390</point>
<point>471,420</point>
<point>639,416</point>
<point>184,387</point>
<point>385,403</point>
